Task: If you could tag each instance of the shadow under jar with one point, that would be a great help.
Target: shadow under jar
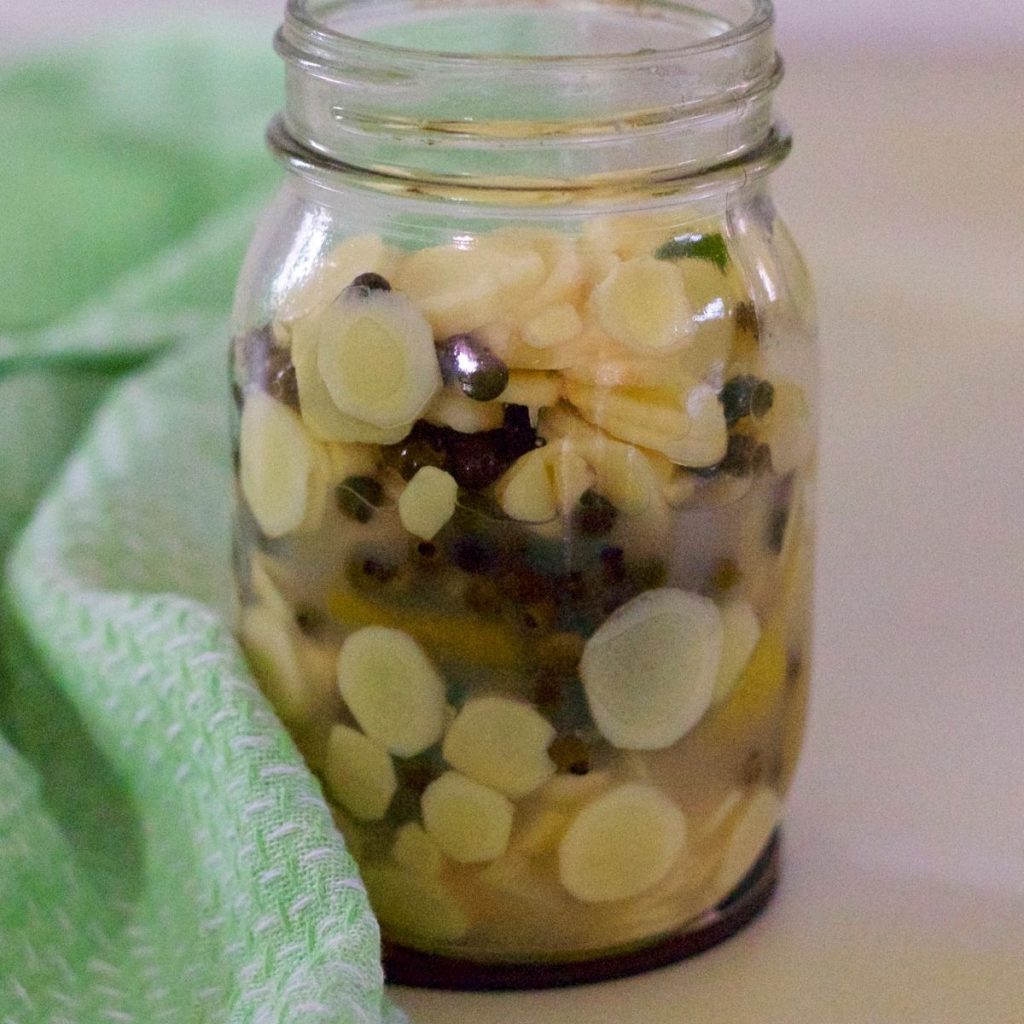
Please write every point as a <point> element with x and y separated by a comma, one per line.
<point>524,378</point>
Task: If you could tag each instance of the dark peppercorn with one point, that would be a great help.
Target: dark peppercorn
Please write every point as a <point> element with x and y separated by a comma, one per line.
<point>358,496</point>
<point>371,572</point>
<point>725,575</point>
<point>426,554</point>
<point>372,283</point>
<point>537,616</point>
<point>754,768</point>
<point>469,363</point>
<point>572,588</point>
<point>595,515</point>
<point>740,457</point>
<point>474,555</point>
<point>794,666</point>
<point>310,620</point>
<point>762,398</point>
<point>547,692</point>
<point>268,367</point>
<point>560,653</point>
<point>421,448</point>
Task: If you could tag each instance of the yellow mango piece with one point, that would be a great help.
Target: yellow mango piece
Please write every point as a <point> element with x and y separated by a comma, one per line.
<point>453,638</point>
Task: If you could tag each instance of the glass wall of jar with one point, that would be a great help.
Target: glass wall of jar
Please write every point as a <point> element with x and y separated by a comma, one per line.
<point>524,378</point>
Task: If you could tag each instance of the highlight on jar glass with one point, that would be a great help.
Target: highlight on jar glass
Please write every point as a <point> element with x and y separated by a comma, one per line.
<point>524,394</point>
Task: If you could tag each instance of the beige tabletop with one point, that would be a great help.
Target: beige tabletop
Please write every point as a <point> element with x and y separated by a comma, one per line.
<point>903,892</point>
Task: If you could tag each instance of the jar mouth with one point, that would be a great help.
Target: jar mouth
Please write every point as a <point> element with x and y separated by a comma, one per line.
<point>472,93</point>
<point>322,26</point>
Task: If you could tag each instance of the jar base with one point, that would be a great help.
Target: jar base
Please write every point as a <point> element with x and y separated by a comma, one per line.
<point>405,966</point>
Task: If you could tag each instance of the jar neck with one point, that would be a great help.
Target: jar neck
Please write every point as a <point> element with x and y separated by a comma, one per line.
<point>583,125</point>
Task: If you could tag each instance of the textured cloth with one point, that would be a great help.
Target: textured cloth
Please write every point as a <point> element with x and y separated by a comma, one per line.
<point>164,854</point>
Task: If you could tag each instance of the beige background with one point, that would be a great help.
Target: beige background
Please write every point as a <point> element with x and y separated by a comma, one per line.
<point>903,900</point>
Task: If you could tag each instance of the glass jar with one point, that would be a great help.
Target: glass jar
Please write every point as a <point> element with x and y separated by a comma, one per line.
<point>524,378</point>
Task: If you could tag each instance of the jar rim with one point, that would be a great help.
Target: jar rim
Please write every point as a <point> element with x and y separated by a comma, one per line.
<point>327,38</point>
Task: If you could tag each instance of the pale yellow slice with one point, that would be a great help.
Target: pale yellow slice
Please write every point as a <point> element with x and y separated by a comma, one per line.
<point>621,844</point>
<point>359,774</point>
<point>281,467</point>
<point>650,669</point>
<point>643,305</point>
<point>470,822</point>
<point>545,483</point>
<point>532,388</point>
<point>324,419</point>
<point>415,851</point>
<point>452,408</point>
<point>392,689</point>
<point>686,424</point>
<point>742,630</point>
<point>428,502</point>
<point>460,289</point>
<point>273,656</point>
<point>502,744</point>
<point>377,359</point>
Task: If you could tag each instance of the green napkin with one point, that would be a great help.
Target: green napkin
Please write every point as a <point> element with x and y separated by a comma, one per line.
<point>164,854</point>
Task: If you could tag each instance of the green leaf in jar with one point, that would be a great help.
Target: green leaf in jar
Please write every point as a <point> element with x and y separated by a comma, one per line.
<point>696,247</point>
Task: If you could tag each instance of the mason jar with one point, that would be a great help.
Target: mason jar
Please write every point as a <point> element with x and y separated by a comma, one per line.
<point>524,395</point>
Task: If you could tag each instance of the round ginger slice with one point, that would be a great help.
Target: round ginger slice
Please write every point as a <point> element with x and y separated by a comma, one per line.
<point>377,359</point>
<point>359,774</point>
<point>428,502</point>
<point>642,304</point>
<point>280,465</point>
<point>649,671</point>
<point>621,844</point>
<point>392,689</point>
<point>502,744</point>
<point>471,823</point>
